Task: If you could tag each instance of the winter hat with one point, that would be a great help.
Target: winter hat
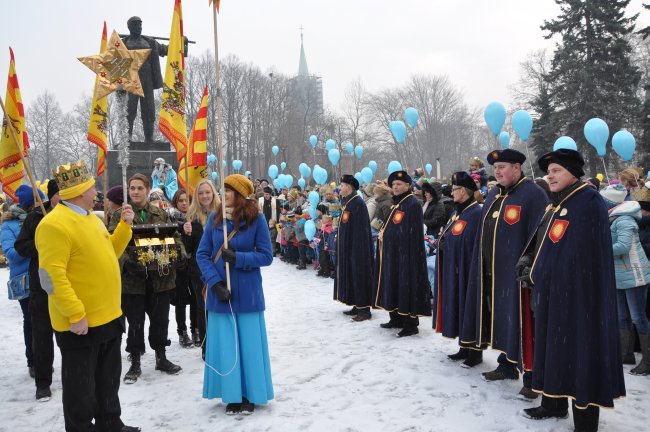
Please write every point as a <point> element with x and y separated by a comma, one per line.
<point>614,195</point>
<point>463,179</point>
<point>116,195</point>
<point>506,155</point>
<point>25,195</point>
<point>240,184</point>
<point>568,159</point>
<point>52,189</point>
<point>349,179</point>
<point>399,175</point>
<point>595,182</point>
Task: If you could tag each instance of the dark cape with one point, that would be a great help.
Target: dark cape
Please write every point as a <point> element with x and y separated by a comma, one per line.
<point>454,259</point>
<point>577,352</point>
<point>353,282</point>
<point>401,278</point>
<point>493,293</point>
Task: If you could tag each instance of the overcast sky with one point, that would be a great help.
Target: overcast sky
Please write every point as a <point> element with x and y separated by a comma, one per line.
<point>478,44</point>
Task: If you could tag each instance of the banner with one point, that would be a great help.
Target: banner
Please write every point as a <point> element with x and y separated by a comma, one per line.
<point>98,127</point>
<point>197,151</point>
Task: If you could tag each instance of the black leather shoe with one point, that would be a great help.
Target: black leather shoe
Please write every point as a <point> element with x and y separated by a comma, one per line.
<point>408,332</point>
<point>474,358</point>
<point>247,408</point>
<point>541,413</point>
<point>462,354</point>
<point>390,325</point>
<point>351,312</point>
<point>233,408</point>
<point>497,375</point>
<point>361,317</point>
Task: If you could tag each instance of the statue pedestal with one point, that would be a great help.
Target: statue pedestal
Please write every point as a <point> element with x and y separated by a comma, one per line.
<point>141,157</point>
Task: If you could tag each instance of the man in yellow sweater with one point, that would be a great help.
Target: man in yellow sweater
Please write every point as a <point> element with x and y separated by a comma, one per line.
<point>80,273</point>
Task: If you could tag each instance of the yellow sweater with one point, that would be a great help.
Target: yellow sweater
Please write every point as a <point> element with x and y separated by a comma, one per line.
<point>78,267</point>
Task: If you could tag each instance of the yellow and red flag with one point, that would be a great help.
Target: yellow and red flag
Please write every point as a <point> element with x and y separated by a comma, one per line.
<point>172,111</point>
<point>196,157</point>
<point>98,127</point>
<point>12,170</point>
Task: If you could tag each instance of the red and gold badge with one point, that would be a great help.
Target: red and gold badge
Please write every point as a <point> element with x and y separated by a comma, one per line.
<point>398,217</point>
<point>557,230</point>
<point>512,214</point>
<point>345,217</point>
<point>458,227</point>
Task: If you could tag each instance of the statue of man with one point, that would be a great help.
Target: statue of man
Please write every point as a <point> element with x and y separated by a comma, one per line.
<point>150,76</point>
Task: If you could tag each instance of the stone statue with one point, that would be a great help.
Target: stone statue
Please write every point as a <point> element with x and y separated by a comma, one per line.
<point>150,76</point>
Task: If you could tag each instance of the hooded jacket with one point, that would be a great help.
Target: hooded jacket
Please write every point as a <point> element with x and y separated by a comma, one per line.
<point>630,262</point>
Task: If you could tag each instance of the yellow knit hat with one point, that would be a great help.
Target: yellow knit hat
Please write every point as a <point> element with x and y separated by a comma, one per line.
<point>240,183</point>
<point>73,179</point>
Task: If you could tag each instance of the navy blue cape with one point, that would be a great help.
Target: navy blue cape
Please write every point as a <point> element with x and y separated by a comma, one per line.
<point>576,350</point>
<point>354,260</point>
<point>401,278</point>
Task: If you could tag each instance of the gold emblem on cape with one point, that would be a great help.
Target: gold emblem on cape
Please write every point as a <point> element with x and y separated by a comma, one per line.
<point>398,217</point>
<point>548,207</point>
<point>564,212</point>
<point>512,214</point>
<point>458,228</point>
<point>345,217</point>
<point>558,230</point>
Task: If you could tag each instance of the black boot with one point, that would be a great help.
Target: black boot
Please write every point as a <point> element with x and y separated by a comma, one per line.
<point>184,340</point>
<point>462,354</point>
<point>351,312</point>
<point>301,265</point>
<point>164,365</point>
<point>134,371</point>
<point>644,366</point>
<point>474,358</point>
<point>247,408</point>
<point>627,346</point>
<point>196,338</point>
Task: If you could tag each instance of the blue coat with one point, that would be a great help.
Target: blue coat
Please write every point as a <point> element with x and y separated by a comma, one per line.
<point>630,262</point>
<point>253,250</point>
<point>17,263</point>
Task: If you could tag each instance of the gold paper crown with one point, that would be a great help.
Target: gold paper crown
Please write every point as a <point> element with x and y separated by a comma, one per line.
<point>640,194</point>
<point>73,174</point>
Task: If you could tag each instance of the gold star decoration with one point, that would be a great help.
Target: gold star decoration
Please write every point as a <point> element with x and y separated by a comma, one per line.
<point>117,67</point>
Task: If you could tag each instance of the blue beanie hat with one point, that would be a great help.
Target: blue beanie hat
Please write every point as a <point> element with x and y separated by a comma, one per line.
<point>25,195</point>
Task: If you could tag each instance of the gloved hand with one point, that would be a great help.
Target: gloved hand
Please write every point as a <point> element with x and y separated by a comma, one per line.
<point>132,268</point>
<point>229,256</point>
<point>221,291</point>
<point>522,271</point>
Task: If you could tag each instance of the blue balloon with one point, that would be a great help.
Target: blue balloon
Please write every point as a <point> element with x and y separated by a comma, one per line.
<point>366,175</point>
<point>225,164</point>
<point>597,133</point>
<point>358,152</point>
<point>428,168</point>
<point>310,230</point>
<point>624,144</point>
<point>312,212</point>
<point>277,184</point>
<point>320,175</point>
<point>522,123</point>
<point>314,198</point>
<point>288,180</point>
<point>301,183</point>
<point>313,140</point>
<point>211,158</point>
<point>565,142</point>
<point>330,144</point>
<point>304,169</point>
<point>283,165</point>
<point>495,116</point>
<point>275,150</point>
<point>398,129</point>
<point>334,155</point>
<point>394,166</point>
<point>359,177</point>
<point>214,176</point>
<point>504,139</point>
<point>247,173</point>
<point>236,164</point>
<point>411,115</point>
<point>349,148</point>
<point>373,166</point>
<point>273,171</point>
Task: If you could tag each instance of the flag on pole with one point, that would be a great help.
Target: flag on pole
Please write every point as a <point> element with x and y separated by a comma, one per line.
<point>196,157</point>
<point>98,127</point>
<point>12,170</point>
<point>216,3</point>
<point>172,110</point>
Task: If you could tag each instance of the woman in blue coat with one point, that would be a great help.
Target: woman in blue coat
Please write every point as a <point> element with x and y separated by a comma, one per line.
<point>237,364</point>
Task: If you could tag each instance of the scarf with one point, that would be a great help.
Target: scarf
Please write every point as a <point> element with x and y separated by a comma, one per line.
<point>18,212</point>
<point>229,211</point>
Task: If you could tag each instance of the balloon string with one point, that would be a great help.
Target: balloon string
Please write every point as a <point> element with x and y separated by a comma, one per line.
<point>605,167</point>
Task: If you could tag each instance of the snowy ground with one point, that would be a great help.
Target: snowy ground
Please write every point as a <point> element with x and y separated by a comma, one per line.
<point>330,374</point>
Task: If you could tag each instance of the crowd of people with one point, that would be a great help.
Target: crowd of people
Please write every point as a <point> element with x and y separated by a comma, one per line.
<point>551,272</point>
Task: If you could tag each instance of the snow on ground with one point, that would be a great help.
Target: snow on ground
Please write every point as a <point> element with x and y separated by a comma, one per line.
<point>330,374</point>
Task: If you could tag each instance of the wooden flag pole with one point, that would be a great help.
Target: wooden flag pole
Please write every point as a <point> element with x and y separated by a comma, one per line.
<point>219,139</point>
<point>22,157</point>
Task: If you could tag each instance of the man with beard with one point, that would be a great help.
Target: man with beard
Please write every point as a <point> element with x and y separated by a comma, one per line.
<point>570,266</point>
<point>269,205</point>
<point>510,215</point>
<point>353,282</point>
<point>401,280</point>
<point>455,255</point>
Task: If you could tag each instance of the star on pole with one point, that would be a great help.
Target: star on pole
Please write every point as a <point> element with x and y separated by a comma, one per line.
<point>117,67</point>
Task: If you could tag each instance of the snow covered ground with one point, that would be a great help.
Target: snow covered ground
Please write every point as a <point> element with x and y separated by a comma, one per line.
<point>330,374</point>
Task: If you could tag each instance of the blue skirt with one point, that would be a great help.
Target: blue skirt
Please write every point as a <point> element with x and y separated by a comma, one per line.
<point>251,376</point>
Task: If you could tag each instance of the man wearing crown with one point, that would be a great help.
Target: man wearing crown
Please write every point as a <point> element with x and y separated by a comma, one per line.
<point>576,352</point>
<point>454,258</point>
<point>401,278</point>
<point>510,216</point>
<point>80,273</point>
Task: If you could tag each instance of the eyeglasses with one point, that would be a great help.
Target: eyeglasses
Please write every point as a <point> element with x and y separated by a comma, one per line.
<point>455,189</point>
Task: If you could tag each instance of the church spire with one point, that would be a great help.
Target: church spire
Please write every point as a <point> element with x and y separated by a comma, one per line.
<point>302,67</point>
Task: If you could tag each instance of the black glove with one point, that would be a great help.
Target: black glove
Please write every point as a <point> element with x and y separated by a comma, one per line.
<point>229,256</point>
<point>132,268</point>
<point>221,291</point>
<point>522,271</point>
